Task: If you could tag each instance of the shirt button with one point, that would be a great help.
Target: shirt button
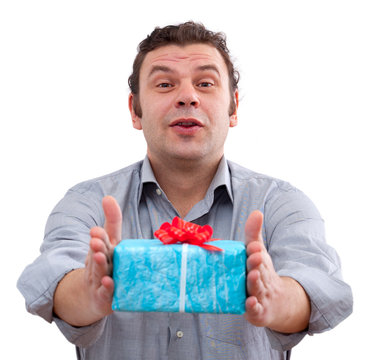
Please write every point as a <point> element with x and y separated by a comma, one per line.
<point>179,333</point>
<point>158,191</point>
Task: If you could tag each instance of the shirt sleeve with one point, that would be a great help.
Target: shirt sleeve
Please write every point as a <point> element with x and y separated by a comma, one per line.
<point>295,239</point>
<point>64,248</point>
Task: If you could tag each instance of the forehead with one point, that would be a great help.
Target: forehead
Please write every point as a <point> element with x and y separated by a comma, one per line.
<point>183,57</point>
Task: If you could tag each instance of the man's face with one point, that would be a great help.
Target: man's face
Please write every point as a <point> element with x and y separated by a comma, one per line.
<point>184,99</point>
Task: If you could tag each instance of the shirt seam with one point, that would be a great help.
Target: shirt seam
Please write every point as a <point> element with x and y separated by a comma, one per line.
<point>88,185</point>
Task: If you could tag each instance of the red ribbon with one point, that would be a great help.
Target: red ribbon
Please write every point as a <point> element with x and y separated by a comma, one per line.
<point>186,232</point>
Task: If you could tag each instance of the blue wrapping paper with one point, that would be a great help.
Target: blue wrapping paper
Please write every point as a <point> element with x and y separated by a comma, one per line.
<point>147,277</point>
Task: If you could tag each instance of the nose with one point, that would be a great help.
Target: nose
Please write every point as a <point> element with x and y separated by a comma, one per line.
<point>187,97</point>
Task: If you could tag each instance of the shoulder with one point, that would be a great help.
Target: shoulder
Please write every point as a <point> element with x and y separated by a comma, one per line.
<point>246,177</point>
<point>106,184</point>
<point>268,194</point>
<point>86,196</point>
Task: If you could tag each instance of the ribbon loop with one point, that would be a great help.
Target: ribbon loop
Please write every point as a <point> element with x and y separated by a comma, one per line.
<point>186,232</point>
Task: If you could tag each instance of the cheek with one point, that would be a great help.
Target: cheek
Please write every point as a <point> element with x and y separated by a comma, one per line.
<point>155,106</point>
<point>219,112</point>
<point>220,103</point>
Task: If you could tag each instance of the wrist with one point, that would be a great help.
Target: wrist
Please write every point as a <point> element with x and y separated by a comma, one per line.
<point>75,301</point>
<point>292,314</point>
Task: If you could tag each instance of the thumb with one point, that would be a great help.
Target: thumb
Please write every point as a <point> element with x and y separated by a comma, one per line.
<point>113,219</point>
<point>253,227</point>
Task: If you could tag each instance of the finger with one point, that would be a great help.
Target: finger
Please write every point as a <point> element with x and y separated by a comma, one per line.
<point>100,267</point>
<point>254,311</point>
<point>253,227</point>
<point>99,245</point>
<point>113,219</point>
<point>106,290</point>
<point>98,261</point>
<point>254,247</point>
<point>252,277</point>
<point>267,269</point>
<point>91,276</point>
<point>100,233</point>
<point>253,306</point>
<point>255,285</point>
<point>254,261</point>
<point>108,283</point>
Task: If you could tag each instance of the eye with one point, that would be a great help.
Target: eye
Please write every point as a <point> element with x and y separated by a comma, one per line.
<point>164,85</point>
<point>205,84</point>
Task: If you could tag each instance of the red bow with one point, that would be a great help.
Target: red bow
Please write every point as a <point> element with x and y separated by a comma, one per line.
<point>186,232</point>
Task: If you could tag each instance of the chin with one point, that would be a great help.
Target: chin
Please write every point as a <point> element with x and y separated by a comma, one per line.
<point>187,156</point>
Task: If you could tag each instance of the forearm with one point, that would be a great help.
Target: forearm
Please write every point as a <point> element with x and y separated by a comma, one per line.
<point>73,302</point>
<point>293,309</point>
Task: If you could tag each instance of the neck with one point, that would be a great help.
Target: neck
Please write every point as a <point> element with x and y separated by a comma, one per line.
<point>184,182</point>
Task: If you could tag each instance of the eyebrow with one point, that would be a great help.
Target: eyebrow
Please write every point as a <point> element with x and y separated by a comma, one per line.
<point>157,68</point>
<point>166,69</point>
<point>209,67</point>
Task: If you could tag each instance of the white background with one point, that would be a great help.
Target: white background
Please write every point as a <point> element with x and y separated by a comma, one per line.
<point>307,113</point>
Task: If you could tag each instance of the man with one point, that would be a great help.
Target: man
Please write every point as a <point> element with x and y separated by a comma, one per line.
<point>184,97</point>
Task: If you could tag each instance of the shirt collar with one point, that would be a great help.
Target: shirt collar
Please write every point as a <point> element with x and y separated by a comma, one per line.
<point>147,174</point>
<point>222,177</point>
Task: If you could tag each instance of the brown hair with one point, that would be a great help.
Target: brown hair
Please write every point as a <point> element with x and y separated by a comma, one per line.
<point>183,34</point>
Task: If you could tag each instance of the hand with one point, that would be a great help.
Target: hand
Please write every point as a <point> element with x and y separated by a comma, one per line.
<point>98,264</point>
<point>263,283</point>
<point>84,296</point>
<point>279,303</point>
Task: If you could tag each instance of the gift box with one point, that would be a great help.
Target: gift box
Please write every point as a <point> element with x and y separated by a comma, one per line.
<point>151,276</point>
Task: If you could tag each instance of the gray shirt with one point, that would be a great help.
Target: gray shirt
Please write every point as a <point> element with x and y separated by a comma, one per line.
<point>293,232</point>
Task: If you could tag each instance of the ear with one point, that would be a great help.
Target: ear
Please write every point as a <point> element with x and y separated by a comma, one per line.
<point>136,123</point>
<point>233,121</point>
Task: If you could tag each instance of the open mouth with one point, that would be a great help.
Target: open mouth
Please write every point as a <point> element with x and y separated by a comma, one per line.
<point>186,123</point>
<point>186,126</point>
